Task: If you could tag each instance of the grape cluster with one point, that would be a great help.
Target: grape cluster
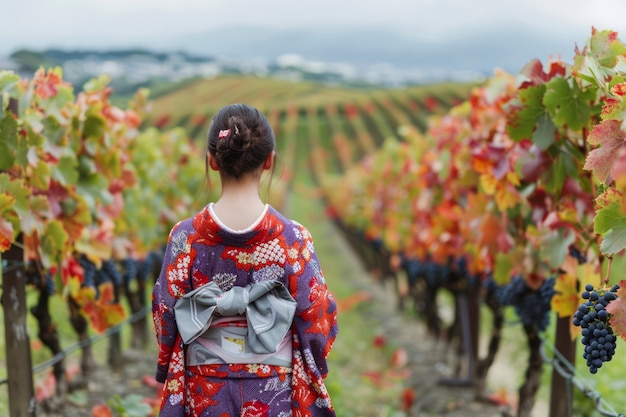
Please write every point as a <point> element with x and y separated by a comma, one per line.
<point>532,306</point>
<point>436,273</point>
<point>597,334</point>
<point>89,269</point>
<point>129,267</point>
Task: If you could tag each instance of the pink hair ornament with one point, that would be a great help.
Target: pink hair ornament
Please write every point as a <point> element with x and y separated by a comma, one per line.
<point>223,133</point>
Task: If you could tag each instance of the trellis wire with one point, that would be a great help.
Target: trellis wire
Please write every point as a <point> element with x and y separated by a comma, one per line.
<point>84,343</point>
<point>8,265</point>
<point>567,370</point>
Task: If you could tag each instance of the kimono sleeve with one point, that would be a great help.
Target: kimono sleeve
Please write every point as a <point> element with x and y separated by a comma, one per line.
<point>315,320</point>
<point>170,286</point>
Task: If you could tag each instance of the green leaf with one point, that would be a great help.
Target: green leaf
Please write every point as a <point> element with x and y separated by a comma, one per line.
<point>53,131</point>
<point>41,176</point>
<point>8,82</point>
<point>18,190</point>
<point>545,134</point>
<point>613,242</point>
<point>563,167</point>
<point>94,188</point>
<point>606,47</point>
<point>97,84</point>
<point>503,268</point>
<point>6,202</point>
<point>568,105</point>
<point>21,154</point>
<point>8,141</point>
<point>555,247</point>
<point>610,222</point>
<point>523,120</point>
<point>94,127</point>
<point>53,242</point>
<point>66,172</point>
<point>610,217</point>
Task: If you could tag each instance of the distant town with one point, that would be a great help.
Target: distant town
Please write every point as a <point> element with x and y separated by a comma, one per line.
<point>134,68</point>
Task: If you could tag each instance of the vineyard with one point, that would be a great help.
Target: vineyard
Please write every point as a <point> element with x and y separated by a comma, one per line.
<point>508,196</point>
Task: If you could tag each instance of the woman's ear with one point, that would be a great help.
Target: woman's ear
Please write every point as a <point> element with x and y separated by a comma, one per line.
<point>212,162</point>
<point>269,162</point>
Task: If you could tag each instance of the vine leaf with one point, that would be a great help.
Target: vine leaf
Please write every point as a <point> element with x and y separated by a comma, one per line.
<point>568,105</point>
<point>6,233</point>
<point>566,300</point>
<point>523,119</point>
<point>610,222</point>
<point>618,170</point>
<point>8,141</point>
<point>554,245</point>
<point>617,309</point>
<point>609,135</point>
<point>606,47</point>
<point>101,410</point>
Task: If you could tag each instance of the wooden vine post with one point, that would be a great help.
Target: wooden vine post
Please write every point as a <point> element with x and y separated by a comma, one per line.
<point>20,382</point>
<point>19,364</point>
<point>561,390</point>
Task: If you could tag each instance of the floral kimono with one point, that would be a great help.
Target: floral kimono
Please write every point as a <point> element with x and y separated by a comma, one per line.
<point>202,251</point>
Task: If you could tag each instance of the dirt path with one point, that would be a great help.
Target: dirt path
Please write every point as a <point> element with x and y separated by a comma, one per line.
<point>425,361</point>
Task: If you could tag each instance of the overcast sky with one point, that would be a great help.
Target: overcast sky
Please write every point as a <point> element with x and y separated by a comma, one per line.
<point>118,23</point>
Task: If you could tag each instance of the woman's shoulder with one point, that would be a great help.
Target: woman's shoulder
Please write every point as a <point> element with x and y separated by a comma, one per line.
<point>292,226</point>
<point>188,225</point>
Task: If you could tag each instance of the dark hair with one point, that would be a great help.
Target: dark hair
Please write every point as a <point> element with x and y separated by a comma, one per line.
<point>240,139</point>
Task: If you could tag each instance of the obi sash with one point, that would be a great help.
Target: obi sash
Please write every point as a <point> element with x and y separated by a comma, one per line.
<point>242,325</point>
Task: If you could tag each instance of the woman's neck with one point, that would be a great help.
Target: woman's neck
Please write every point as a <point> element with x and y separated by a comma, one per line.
<point>240,204</point>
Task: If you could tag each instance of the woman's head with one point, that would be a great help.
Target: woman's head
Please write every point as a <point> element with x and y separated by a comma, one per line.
<point>240,140</point>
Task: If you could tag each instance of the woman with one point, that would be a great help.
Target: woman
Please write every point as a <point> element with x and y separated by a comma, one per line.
<point>244,319</point>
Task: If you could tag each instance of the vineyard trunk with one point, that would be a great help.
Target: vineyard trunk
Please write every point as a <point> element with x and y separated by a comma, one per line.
<point>20,383</point>
<point>50,338</point>
<point>484,364</point>
<point>562,390</point>
<point>528,390</point>
<point>81,326</point>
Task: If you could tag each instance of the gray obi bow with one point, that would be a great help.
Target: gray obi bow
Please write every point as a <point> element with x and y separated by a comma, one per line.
<point>268,306</point>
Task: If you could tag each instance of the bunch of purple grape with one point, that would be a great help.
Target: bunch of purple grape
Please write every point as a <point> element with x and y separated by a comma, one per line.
<point>597,334</point>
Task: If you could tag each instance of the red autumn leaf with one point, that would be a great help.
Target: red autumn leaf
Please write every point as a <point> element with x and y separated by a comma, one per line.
<point>350,111</point>
<point>354,299</point>
<point>133,119</point>
<point>400,358</point>
<point>199,120</point>
<point>101,410</point>
<point>162,121</point>
<point>500,397</point>
<point>150,381</point>
<point>408,398</point>
<point>380,341</point>
<point>617,309</point>
<point>45,387</point>
<point>618,170</point>
<point>609,135</point>
<point>374,376</point>
<point>431,103</point>
<point>47,84</point>
<point>6,234</point>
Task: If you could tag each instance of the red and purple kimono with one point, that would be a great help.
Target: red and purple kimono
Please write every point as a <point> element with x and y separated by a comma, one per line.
<point>202,250</point>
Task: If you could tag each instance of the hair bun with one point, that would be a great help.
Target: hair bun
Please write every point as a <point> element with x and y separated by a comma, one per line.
<point>239,139</point>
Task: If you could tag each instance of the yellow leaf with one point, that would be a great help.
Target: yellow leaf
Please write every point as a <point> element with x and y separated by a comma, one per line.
<point>512,177</point>
<point>72,287</point>
<point>488,183</point>
<point>566,300</point>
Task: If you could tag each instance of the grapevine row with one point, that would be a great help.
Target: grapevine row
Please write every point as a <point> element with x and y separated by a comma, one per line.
<point>524,184</point>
